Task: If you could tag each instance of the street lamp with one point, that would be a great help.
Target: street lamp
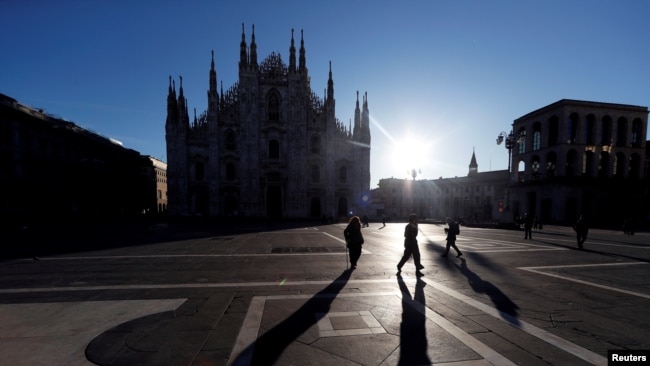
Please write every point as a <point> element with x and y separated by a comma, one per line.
<point>510,140</point>
<point>414,173</point>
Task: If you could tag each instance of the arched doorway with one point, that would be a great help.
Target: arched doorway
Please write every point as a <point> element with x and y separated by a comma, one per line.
<point>273,201</point>
<point>314,207</point>
<point>343,207</point>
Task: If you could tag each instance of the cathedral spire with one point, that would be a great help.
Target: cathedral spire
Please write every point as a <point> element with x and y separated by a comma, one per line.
<point>213,76</point>
<point>302,66</point>
<point>357,120</point>
<point>243,54</point>
<point>292,55</point>
<point>172,107</point>
<point>330,85</point>
<point>253,58</point>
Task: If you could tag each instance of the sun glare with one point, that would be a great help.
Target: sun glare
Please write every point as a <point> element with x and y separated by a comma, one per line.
<point>409,153</point>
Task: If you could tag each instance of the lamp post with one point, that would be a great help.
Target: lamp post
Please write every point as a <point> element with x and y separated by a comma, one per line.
<point>510,140</point>
<point>414,173</point>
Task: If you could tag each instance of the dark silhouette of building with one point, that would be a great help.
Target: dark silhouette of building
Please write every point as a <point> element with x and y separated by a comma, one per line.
<point>578,157</point>
<point>268,146</point>
<point>55,172</point>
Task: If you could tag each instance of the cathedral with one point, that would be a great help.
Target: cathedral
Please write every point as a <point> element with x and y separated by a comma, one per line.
<point>268,146</point>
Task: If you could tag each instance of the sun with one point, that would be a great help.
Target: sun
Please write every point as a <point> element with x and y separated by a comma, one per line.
<point>409,153</point>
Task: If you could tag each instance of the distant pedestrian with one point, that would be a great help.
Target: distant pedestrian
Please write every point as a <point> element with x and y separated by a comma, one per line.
<point>365,221</point>
<point>528,226</point>
<point>581,228</point>
<point>353,240</point>
<point>451,232</point>
<point>411,245</point>
<point>383,220</point>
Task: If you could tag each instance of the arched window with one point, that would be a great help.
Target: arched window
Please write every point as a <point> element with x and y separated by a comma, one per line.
<point>573,128</point>
<point>535,167</point>
<point>343,174</point>
<point>199,170</point>
<point>551,162</point>
<point>603,164</point>
<point>635,166</point>
<point>571,158</point>
<point>621,132</point>
<point>522,140</point>
<point>315,173</point>
<point>231,142</point>
<point>588,164</point>
<point>606,134</point>
<point>274,149</point>
<point>636,132</point>
<point>553,128</point>
<point>619,165</point>
<point>590,130</point>
<point>521,170</point>
<point>315,144</point>
<point>273,106</point>
<point>230,171</point>
<point>537,136</point>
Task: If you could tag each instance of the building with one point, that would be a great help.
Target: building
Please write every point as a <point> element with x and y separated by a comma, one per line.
<point>157,173</point>
<point>268,146</point>
<point>478,197</point>
<point>577,157</point>
<point>56,172</point>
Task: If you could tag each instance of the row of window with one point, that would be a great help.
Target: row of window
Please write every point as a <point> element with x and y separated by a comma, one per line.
<point>589,132</point>
<point>591,165</point>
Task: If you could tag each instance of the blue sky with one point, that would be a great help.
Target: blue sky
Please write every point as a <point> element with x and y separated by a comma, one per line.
<point>443,78</point>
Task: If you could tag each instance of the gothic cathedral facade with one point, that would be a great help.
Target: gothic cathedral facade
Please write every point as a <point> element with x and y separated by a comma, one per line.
<point>268,146</point>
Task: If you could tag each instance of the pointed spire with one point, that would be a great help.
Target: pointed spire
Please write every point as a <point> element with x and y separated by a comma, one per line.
<point>473,166</point>
<point>172,107</point>
<point>292,55</point>
<point>180,88</point>
<point>253,58</point>
<point>213,75</point>
<point>330,85</point>
<point>357,117</point>
<point>302,65</point>
<point>243,55</point>
<point>365,113</point>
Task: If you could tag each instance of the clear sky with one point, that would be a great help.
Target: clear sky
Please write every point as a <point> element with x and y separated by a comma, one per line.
<point>443,78</point>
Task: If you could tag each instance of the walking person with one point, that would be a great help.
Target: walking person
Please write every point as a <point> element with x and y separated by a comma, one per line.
<point>581,228</point>
<point>451,232</point>
<point>528,226</point>
<point>353,240</point>
<point>411,245</point>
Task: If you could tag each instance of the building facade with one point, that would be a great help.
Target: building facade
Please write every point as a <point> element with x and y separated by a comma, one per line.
<point>55,172</point>
<point>268,146</point>
<point>477,197</point>
<point>158,176</point>
<point>578,157</point>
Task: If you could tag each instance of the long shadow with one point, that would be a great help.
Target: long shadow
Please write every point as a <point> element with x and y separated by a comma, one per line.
<point>44,238</point>
<point>413,334</point>
<point>600,252</point>
<point>269,347</point>
<point>507,308</point>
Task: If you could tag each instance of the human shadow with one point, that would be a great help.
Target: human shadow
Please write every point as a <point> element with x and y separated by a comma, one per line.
<point>413,334</point>
<point>269,347</point>
<point>507,308</point>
